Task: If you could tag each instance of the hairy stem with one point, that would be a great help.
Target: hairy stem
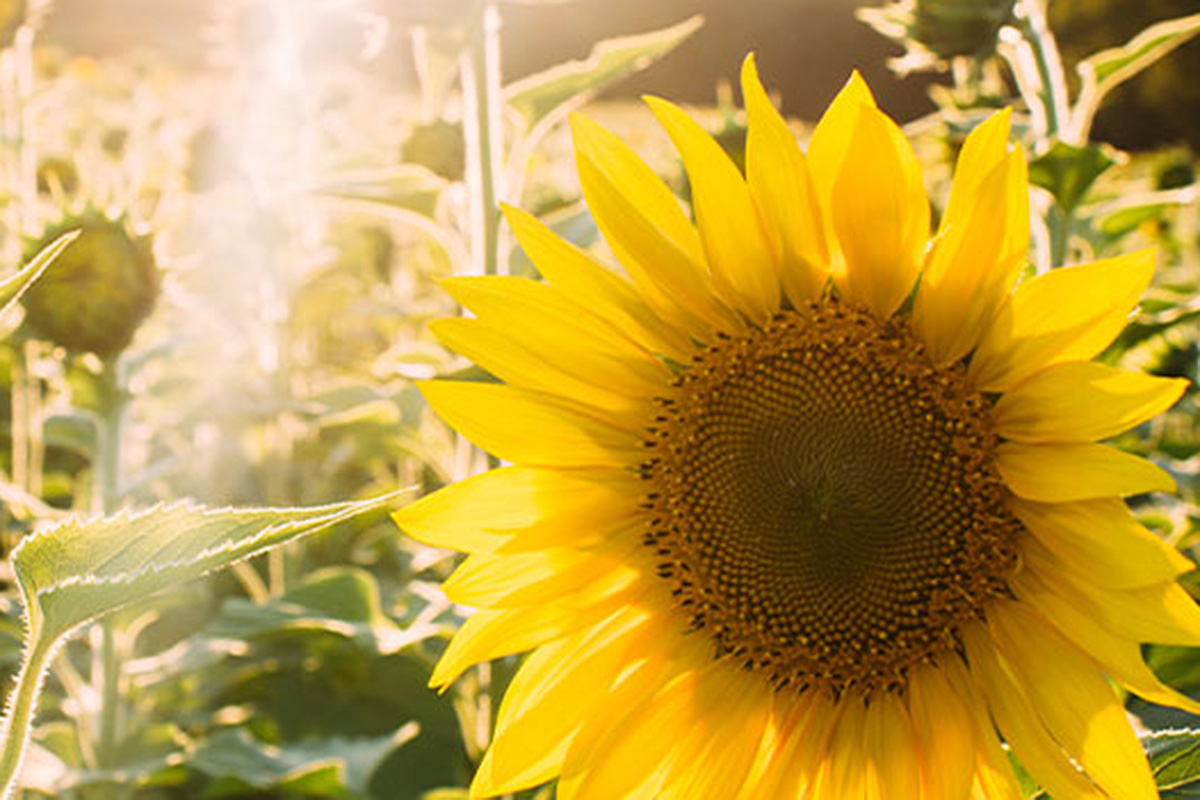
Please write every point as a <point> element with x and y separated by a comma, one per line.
<point>18,721</point>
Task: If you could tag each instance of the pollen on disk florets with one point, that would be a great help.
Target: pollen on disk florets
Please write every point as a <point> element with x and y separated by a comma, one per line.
<point>823,500</point>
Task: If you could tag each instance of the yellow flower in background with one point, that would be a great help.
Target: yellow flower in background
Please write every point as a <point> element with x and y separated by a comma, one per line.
<point>810,504</point>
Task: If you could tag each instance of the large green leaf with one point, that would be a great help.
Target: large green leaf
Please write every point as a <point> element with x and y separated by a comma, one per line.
<point>1175,759</point>
<point>12,287</point>
<point>238,764</point>
<point>570,84</point>
<point>80,570</point>
<point>1104,71</point>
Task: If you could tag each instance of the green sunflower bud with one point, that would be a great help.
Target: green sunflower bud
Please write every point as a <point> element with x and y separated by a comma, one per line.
<point>942,28</point>
<point>98,291</point>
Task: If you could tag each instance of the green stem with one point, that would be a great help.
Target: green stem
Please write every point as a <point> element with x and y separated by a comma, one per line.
<point>1037,33</point>
<point>107,470</point>
<point>22,705</point>
<point>483,126</point>
<point>1058,224</point>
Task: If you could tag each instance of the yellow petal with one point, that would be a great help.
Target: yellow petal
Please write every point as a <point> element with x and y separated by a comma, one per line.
<point>647,230</point>
<point>851,771</point>
<point>1103,541</point>
<point>791,767</point>
<point>880,214</point>
<point>547,701</point>
<point>528,427</point>
<point>492,633</point>
<point>632,759</point>
<point>890,744</point>
<point>730,229</point>
<point>826,153</point>
<point>994,776</point>
<point>716,754</point>
<point>512,509</point>
<point>973,264</point>
<point>461,516</point>
<point>944,731</point>
<point>1121,658</point>
<point>564,333</point>
<point>985,147</point>
<point>831,138</point>
<point>607,294</point>
<point>562,575</point>
<point>1059,473</point>
<point>1076,704</point>
<point>1080,401</point>
<point>1019,722</point>
<point>544,367</point>
<point>783,193</point>
<point>1163,613</point>
<point>1067,314</point>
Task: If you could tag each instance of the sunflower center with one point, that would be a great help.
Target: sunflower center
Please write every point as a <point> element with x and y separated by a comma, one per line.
<point>824,500</point>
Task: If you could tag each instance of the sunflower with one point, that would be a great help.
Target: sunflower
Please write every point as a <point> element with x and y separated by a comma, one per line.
<point>806,503</point>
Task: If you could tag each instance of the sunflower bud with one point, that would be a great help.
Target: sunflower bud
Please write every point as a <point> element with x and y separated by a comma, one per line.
<point>942,29</point>
<point>99,289</point>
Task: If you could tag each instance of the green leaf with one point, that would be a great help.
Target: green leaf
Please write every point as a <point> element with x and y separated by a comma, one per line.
<point>320,768</point>
<point>1175,760</point>
<point>547,96</point>
<point>1104,71</point>
<point>1068,171</point>
<point>342,601</point>
<point>80,570</point>
<point>12,287</point>
<point>405,186</point>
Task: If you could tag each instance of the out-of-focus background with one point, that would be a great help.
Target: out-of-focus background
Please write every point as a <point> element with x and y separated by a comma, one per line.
<point>806,46</point>
<point>268,192</point>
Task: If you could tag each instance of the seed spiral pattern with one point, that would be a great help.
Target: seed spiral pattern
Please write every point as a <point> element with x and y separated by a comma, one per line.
<point>823,500</point>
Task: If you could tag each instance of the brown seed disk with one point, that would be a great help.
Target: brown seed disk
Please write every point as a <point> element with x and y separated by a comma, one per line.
<point>824,502</point>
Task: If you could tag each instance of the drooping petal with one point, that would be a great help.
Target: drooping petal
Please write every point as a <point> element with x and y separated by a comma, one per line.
<point>1018,720</point>
<point>1076,704</point>
<point>777,173</point>
<point>994,777</point>
<point>529,428</point>
<point>1121,658</point>
<point>1080,401</point>
<point>1067,314</point>
<point>1059,473</point>
<point>1102,540</point>
<point>646,228</point>
<point>880,214</point>
<point>731,231</point>
<point>609,295</point>
<point>1163,613</point>
<point>558,686</point>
